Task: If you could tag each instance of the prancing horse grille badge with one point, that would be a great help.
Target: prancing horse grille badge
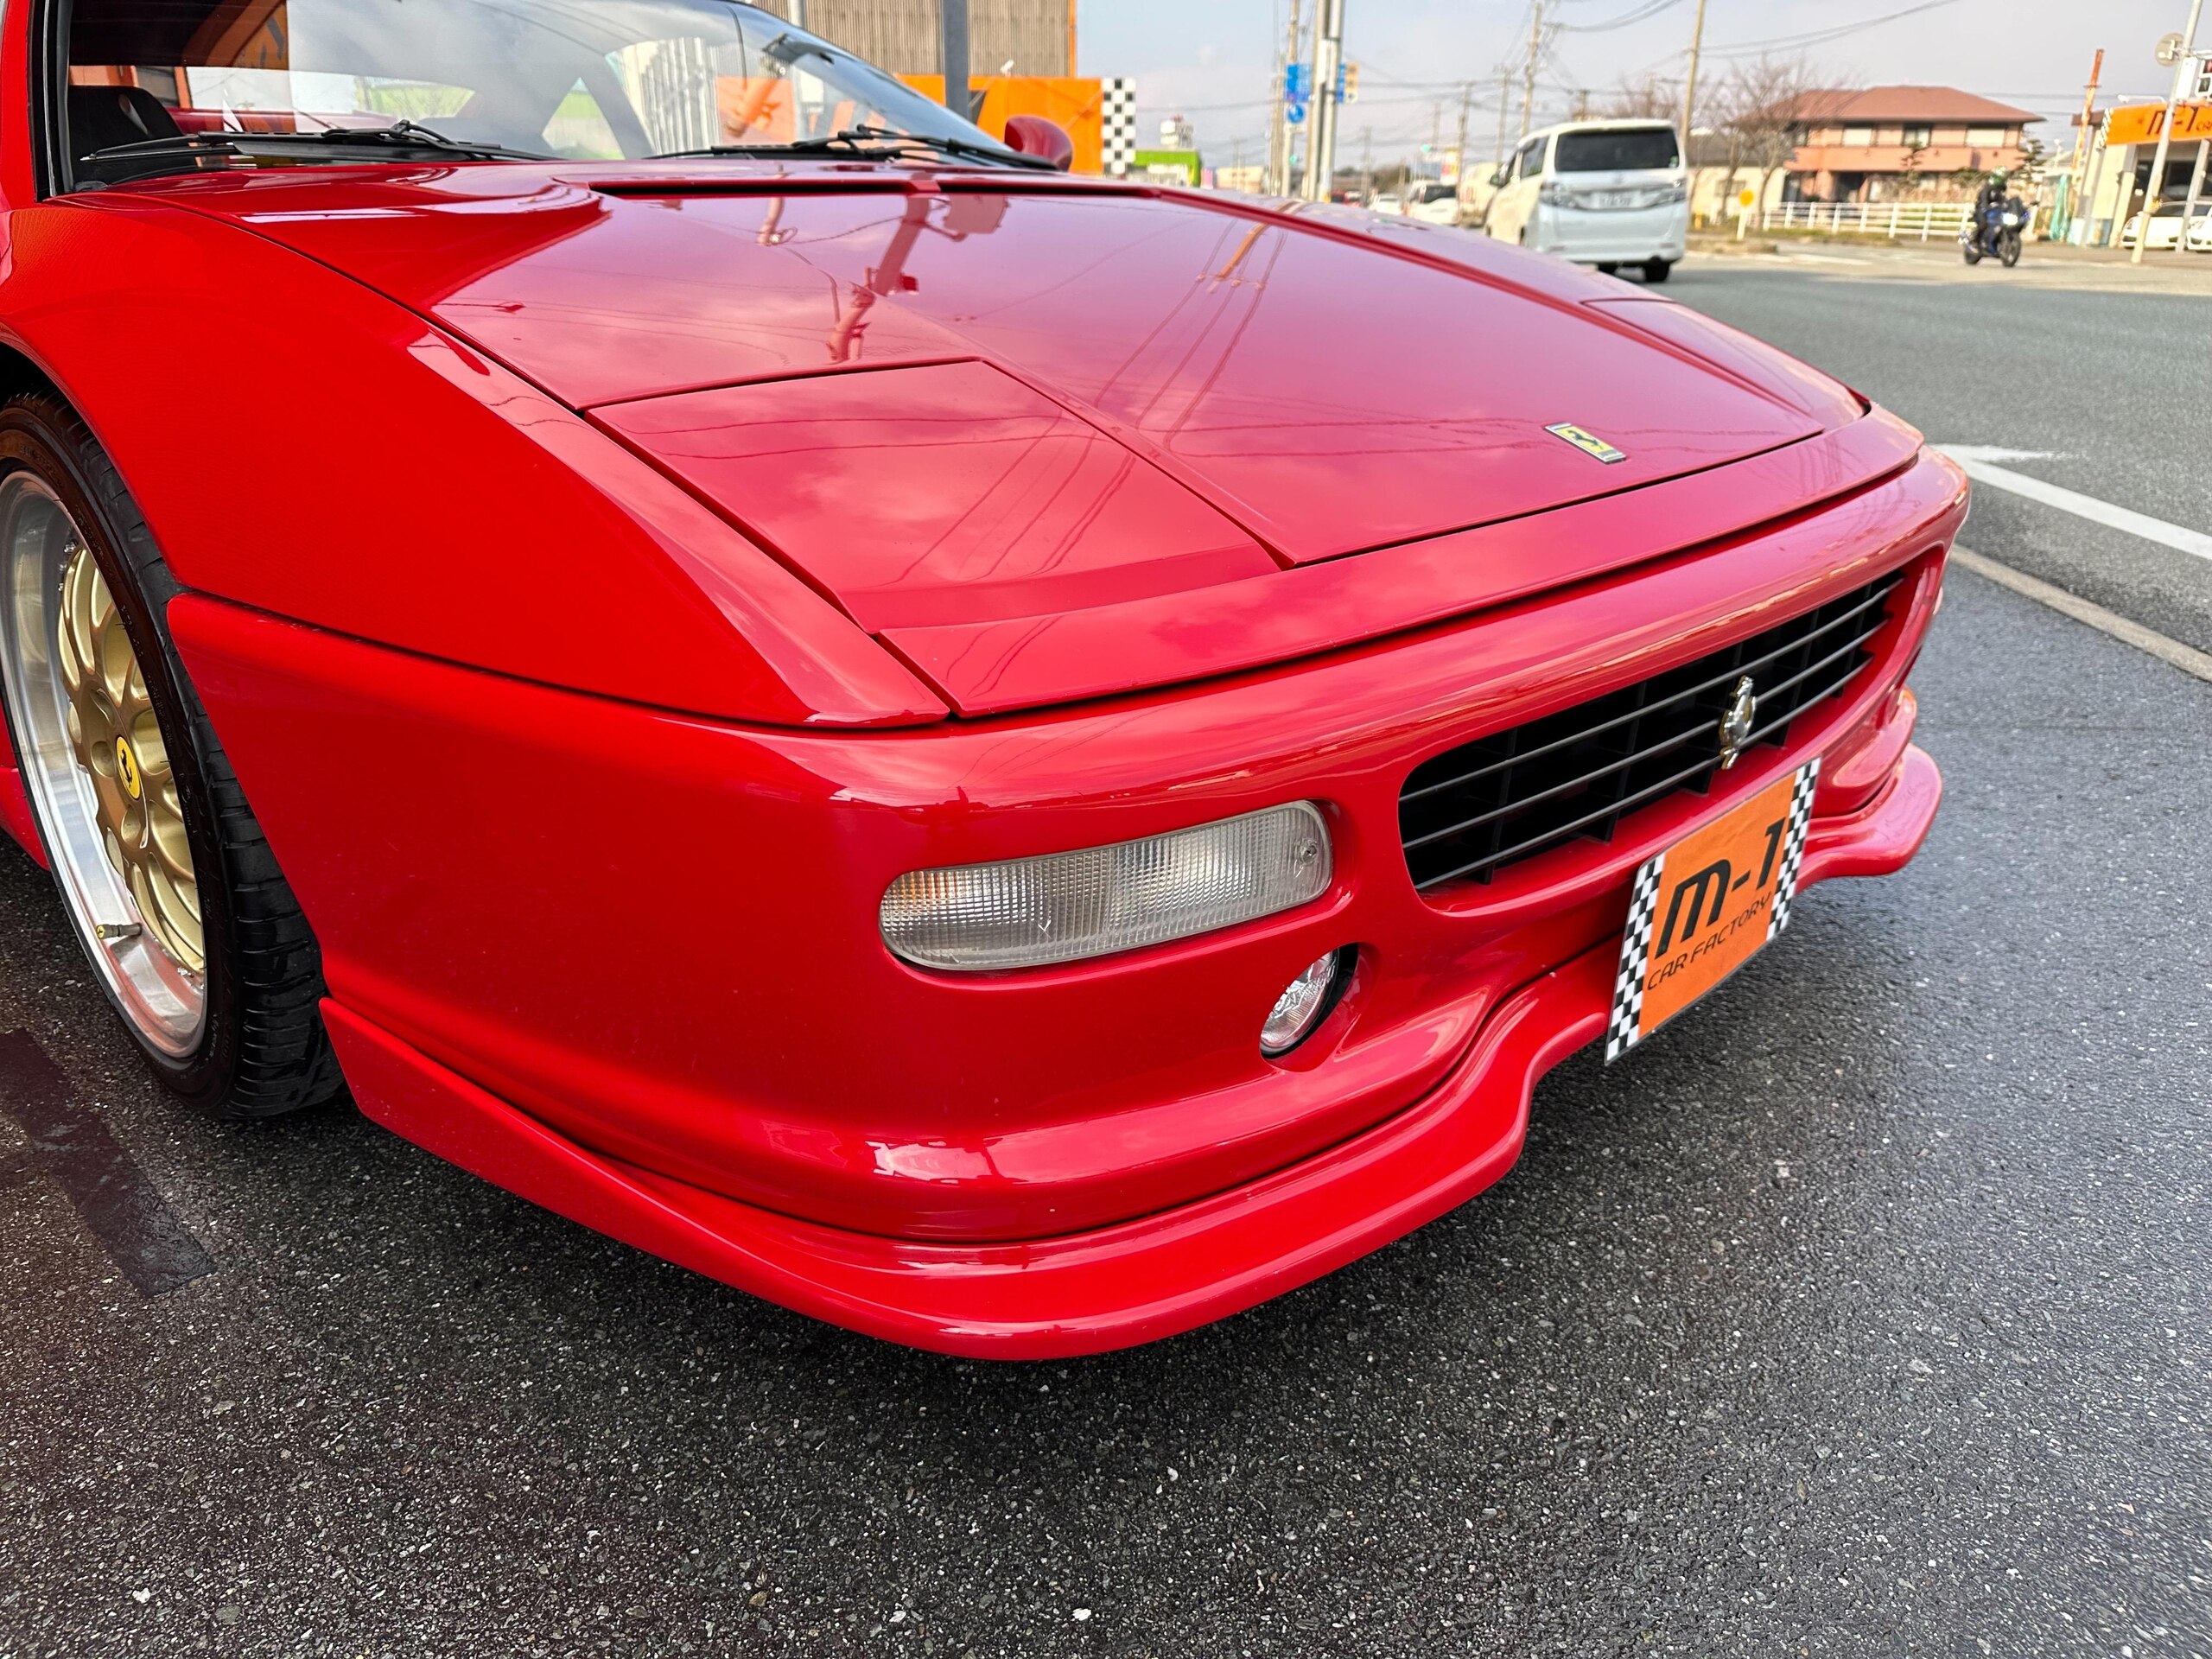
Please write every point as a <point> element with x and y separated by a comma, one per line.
<point>1736,724</point>
<point>1587,441</point>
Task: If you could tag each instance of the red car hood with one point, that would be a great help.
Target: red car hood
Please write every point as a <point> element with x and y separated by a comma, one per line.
<point>961,399</point>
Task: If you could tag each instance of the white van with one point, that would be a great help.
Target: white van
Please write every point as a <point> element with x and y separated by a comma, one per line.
<point>1606,193</point>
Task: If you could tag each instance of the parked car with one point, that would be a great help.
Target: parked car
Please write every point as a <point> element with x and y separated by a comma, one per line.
<point>1608,194</point>
<point>1390,201</point>
<point>1011,764</point>
<point>2166,227</point>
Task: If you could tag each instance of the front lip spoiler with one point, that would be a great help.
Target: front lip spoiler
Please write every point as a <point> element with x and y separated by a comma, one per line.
<point>1115,1287</point>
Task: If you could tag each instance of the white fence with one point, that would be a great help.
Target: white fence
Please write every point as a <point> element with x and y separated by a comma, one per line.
<point>1922,221</point>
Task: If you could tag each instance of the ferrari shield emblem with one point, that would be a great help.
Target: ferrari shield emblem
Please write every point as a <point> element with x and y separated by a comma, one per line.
<point>1587,441</point>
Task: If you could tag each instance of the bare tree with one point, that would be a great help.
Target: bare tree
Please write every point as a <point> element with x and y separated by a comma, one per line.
<point>1763,108</point>
<point>1649,97</point>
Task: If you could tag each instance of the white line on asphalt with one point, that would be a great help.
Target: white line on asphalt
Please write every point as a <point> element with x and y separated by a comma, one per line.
<point>1980,466</point>
<point>1997,452</point>
<point>2187,658</point>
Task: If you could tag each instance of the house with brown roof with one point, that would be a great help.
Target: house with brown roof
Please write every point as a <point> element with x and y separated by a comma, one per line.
<point>1891,143</point>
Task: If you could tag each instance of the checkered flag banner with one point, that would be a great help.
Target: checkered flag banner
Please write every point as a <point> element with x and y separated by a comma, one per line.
<point>1636,950</point>
<point>1118,135</point>
<point>1793,845</point>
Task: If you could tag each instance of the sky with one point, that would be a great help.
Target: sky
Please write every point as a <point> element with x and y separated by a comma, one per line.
<point>1212,61</point>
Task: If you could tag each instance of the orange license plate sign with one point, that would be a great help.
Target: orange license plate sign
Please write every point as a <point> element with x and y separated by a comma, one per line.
<point>1702,908</point>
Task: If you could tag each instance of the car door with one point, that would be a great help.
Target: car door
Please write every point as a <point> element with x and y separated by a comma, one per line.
<point>1509,217</point>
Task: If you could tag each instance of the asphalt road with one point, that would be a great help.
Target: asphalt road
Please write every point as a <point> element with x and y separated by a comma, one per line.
<point>1864,1312</point>
<point>2105,393</point>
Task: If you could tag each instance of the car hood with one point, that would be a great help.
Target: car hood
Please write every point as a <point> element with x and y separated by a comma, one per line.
<point>964,398</point>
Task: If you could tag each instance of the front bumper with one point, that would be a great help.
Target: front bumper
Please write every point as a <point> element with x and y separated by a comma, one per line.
<point>650,939</point>
<point>1112,1287</point>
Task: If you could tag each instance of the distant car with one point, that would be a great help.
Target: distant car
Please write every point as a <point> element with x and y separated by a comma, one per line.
<point>1388,202</point>
<point>2166,227</point>
<point>1013,763</point>
<point>1608,194</point>
<point>1433,203</point>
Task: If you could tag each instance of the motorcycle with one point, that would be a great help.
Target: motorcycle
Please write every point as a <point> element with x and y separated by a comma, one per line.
<point>1996,236</point>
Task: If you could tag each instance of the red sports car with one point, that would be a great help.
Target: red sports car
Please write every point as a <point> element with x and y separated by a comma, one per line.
<point>1012,761</point>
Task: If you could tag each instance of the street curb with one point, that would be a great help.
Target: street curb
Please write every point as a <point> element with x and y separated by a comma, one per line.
<point>2187,658</point>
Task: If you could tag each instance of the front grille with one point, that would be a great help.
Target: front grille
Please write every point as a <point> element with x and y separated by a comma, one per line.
<point>1468,812</point>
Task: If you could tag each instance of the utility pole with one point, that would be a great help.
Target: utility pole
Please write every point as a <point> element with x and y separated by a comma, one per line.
<point>2075,173</point>
<point>1328,58</point>
<point>1282,138</point>
<point>1505,111</point>
<point>1528,69</point>
<point>1459,150</point>
<point>952,15</point>
<point>2184,72</point>
<point>1689,82</point>
<point>1581,104</point>
<point>2196,193</point>
<point>1366,163</point>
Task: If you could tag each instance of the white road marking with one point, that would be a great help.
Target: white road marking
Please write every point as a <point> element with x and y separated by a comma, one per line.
<point>1979,465</point>
<point>1997,453</point>
<point>2187,658</point>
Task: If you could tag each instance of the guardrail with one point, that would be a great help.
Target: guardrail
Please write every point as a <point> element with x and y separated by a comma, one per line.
<point>1921,220</point>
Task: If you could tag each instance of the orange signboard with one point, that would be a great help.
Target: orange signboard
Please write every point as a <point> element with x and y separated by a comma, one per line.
<point>2140,123</point>
<point>1074,101</point>
<point>1701,909</point>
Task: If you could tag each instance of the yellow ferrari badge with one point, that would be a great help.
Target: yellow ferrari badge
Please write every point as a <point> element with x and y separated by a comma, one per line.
<point>1587,441</point>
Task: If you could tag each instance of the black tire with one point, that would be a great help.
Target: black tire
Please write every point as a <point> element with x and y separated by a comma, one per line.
<point>1607,270</point>
<point>1658,271</point>
<point>2008,251</point>
<point>263,1051</point>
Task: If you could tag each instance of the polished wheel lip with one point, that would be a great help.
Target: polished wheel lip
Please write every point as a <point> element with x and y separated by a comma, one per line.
<point>41,543</point>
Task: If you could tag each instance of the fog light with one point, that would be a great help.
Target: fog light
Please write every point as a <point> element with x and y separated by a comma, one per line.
<point>1301,1005</point>
<point>1027,912</point>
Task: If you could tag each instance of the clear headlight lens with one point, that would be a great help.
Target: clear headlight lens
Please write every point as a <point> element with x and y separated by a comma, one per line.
<point>1027,912</point>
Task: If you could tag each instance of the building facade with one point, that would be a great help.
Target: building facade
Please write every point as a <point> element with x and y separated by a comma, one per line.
<point>1901,144</point>
<point>1035,37</point>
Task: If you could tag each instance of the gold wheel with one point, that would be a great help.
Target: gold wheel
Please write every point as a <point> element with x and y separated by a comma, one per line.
<point>118,740</point>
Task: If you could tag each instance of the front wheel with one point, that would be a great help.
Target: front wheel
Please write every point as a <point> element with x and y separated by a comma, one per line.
<point>164,873</point>
<point>2008,250</point>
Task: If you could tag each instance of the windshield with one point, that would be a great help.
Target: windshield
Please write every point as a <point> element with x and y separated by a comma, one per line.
<point>1621,150</point>
<point>581,80</point>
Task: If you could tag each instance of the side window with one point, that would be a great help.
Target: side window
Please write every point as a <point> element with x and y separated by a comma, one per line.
<point>1532,159</point>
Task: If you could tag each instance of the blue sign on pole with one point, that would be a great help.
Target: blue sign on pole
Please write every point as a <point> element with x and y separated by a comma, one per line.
<point>1297,92</point>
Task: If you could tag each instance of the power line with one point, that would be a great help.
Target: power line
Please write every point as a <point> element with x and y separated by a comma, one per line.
<point>1649,9</point>
<point>1819,37</point>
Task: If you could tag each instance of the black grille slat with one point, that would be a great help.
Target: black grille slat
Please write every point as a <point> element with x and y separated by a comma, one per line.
<point>1727,676</point>
<point>1577,773</point>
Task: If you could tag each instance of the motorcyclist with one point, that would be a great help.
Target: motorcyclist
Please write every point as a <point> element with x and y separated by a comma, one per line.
<point>1988,200</point>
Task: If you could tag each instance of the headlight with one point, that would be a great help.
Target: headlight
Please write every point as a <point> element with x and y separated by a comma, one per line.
<point>1026,913</point>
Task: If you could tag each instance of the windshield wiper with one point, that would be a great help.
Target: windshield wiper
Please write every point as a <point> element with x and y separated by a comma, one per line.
<point>401,136</point>
<point>863,140</point>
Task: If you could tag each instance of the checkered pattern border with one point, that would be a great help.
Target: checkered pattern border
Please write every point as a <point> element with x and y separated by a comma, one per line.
<point>1636,949</point>
<point>1118,117</point>
<point>1793,845</point>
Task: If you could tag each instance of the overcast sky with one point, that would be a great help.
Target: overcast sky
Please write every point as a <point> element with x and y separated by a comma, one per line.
<point>1212,59</point>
